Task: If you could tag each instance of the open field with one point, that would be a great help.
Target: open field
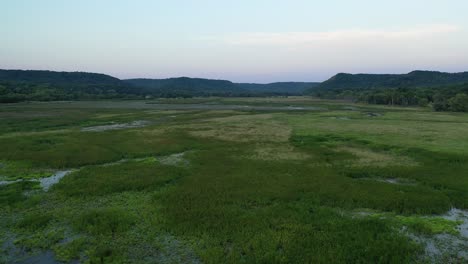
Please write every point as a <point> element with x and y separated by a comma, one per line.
<point>232,180</point>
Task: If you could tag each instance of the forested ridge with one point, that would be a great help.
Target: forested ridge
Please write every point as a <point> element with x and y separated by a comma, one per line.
<point>184,86</point>
<point>30,85</point>
<point>441,91</point>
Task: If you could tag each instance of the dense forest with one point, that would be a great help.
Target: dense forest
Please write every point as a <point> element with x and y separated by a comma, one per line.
<point>411,80</point>
<point>19,85</point>
<point>187,87</point>
<point>280,88</point>
<point>205,87</point>
<point>441,91</point>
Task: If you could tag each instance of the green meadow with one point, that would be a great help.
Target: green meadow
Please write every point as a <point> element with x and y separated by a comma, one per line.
<point>232,180</point>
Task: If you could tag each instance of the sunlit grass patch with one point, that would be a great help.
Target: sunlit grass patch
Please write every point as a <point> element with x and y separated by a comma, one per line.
<point>244,128</point>
<point>419,224</point>
<point>274,152</point>
<point>403,129</point>
<point>429,225</point>
<point>368,157</point>
<point>177,159</point>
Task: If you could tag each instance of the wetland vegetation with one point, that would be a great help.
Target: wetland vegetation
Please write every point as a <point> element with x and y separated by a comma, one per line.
<point>232,180</point>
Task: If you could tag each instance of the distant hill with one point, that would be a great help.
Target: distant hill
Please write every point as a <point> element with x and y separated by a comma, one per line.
<point>413,79</point>
<point>58,78</point>
<point>185,86</point>
<point>20,85</point>
<point>442,91</point>
<point>286,88</point>
<point>202,87</point>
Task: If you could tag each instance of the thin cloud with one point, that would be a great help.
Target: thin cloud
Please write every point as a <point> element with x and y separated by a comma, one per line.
<point>298,38</point>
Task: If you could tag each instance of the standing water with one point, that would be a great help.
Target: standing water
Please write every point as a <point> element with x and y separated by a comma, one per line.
<point>46,183</point>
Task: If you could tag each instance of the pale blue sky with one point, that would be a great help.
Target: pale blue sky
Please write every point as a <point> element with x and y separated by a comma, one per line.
<point>243,41</point>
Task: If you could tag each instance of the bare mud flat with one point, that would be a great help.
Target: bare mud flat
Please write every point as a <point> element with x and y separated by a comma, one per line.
<point>134,124</point>
<point>372,114</point>
<point>8,182</point>
<point>46,257</point>
<point>48,182</point>
<point>459,215</point>
<point>177,159</point>
<point>18,255</point>
<point>45,183</point>
<point>442,246</point>
<point>396,181</point>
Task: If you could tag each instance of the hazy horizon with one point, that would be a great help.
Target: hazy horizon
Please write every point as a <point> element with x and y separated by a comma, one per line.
<point>243,41</point>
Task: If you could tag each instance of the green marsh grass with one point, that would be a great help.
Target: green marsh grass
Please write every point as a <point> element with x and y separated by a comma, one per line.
<point>233,199</point>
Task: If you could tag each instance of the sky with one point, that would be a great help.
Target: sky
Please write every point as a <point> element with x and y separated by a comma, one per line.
<point>243,41</point>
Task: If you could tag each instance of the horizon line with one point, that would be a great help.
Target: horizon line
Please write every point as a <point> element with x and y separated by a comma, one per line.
<point>216,79</point>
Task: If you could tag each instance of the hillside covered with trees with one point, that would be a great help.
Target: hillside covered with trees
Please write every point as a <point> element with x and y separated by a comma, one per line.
<point>19,85</point>
<point>441,91</point>
<point>184,86</point>
<point>187,87</point>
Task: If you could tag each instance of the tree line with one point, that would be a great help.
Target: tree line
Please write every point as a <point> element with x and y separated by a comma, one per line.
<point>446,98</point>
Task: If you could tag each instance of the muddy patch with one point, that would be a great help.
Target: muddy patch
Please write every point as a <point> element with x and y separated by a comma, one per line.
<point>295,108</point>
<point>134,124</point>
<point>177,159</point>
<point>46,257</point>
<point>350,108</point>
<point>372,114</point>
<point>447,241</point>
<point>340,118</point>
<point>460,216</point>
<point>177,252</point>
<point>109,164</point>
<point>48,182</point>
<point>13,254</point>
<point>277,152</point>
<point>446,247</point>
<point>443,248</point>
<point>397,181</point>
<point>9,182</point>
<point>168,249</point>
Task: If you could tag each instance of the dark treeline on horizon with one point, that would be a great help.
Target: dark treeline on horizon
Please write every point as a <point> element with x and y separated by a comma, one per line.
<point>441,91</point>
<point>19,85</point>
